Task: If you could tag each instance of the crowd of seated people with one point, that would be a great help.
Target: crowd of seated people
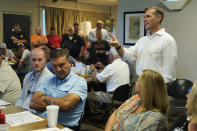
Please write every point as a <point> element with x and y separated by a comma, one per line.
<point>49,78</point>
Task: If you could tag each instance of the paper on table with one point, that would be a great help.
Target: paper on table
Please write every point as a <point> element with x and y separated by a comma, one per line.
<point>65,129</point>
<point>21,118</point>
<point>4,103</point>
<point>54,129</point>
<point>48,129</point>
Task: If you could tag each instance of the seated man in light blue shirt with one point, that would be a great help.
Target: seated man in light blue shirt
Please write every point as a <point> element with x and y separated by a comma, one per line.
<point>65,89</point>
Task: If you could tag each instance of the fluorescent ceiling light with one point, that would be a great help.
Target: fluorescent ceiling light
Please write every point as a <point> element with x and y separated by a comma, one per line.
<point>174,4</point>
<point>172,0</point>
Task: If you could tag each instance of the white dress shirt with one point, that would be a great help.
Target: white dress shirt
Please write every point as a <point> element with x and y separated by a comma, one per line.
<point>157,51</point>
<point>92,35</point>
<point>114,75</point>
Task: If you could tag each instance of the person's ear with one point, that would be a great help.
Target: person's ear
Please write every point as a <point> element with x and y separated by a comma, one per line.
<point>158,18</point>
<point>70,62</point>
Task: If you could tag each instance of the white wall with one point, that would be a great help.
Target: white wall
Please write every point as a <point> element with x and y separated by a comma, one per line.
<point>180,24</point>
<point>25,7</point>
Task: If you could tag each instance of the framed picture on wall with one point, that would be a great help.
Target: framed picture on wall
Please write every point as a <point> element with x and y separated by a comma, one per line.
<point>133,27</point>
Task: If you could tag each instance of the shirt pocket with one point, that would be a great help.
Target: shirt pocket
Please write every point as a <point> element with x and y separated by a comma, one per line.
<point>62,92</point>
<point>156,53</point>
<point>49,92</point>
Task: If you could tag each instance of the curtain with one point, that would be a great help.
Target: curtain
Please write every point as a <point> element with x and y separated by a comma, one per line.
<point>61,18</point>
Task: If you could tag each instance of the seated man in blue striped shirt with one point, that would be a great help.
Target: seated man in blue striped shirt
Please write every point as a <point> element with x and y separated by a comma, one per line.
<point>33,79</point>
<point>65,89</point>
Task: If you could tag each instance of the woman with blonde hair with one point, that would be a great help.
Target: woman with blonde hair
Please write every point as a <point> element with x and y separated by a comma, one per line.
<point>144,111</point>
<point>191,106</point>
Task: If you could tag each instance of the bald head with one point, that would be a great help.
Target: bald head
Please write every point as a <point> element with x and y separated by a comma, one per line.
<point>46,51</point>
<point>38,59</point>
<point>70,30</point>
<point>38,30</point>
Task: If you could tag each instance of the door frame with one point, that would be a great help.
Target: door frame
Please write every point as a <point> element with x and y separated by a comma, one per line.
<point>14,13</point>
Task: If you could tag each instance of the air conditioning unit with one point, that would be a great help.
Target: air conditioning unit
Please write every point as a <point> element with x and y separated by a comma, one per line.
<point>174,4</point>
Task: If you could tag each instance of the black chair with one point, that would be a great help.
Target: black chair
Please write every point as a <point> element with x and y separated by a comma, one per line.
<point>179,88</point>
<point>77,128</point>
<point>121,94</point>
<point>177,98</point>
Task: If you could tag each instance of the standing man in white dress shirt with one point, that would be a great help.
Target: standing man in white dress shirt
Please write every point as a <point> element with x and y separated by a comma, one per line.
<point>157,50</point>
<point>98,34</point>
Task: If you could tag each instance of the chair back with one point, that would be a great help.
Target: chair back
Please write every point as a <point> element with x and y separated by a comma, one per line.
<point>77,128</point>
<point>179,88</point>
<point>122,93</point>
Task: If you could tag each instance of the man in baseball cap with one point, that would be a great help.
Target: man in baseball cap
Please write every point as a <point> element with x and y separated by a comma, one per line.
<point>6,53</point>
<point>24,63</point>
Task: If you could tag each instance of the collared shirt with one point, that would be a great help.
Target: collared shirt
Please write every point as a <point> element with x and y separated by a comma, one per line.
<point>36,38</point>
<point>10,87</point>
<point>114,75</point>
<point>26,57</point>
<point>9,54</point>
<point>75,43</point>
<point>19,35</point>
<point>31,82</point>
<point>92,35</point>
<point>54,41</point>
<point>54,87</point>
<point>157,51</point>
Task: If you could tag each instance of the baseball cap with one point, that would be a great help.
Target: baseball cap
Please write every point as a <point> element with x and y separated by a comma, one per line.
<point>20,44</point>
<point>2,45</point>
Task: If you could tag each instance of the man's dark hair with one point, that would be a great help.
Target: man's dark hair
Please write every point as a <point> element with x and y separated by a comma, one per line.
<point>76,24</point>
<point>59,52</point>
<point>92,56</point>
<point>1,54</point>
<point>105,45</point>
<point>66,46</point>
<point>52,28</point>
<point>102,45</point>
<point>16,25</point>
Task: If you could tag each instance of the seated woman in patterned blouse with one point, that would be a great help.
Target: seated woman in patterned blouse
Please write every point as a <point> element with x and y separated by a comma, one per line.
<point>144,111</point>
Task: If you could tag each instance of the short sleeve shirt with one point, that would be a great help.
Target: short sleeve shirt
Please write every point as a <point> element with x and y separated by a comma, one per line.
<point>115,75</point>
<point>31,82</point>
<point>26,57</point>
<point>36,38</point>
<point>54,87</point>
